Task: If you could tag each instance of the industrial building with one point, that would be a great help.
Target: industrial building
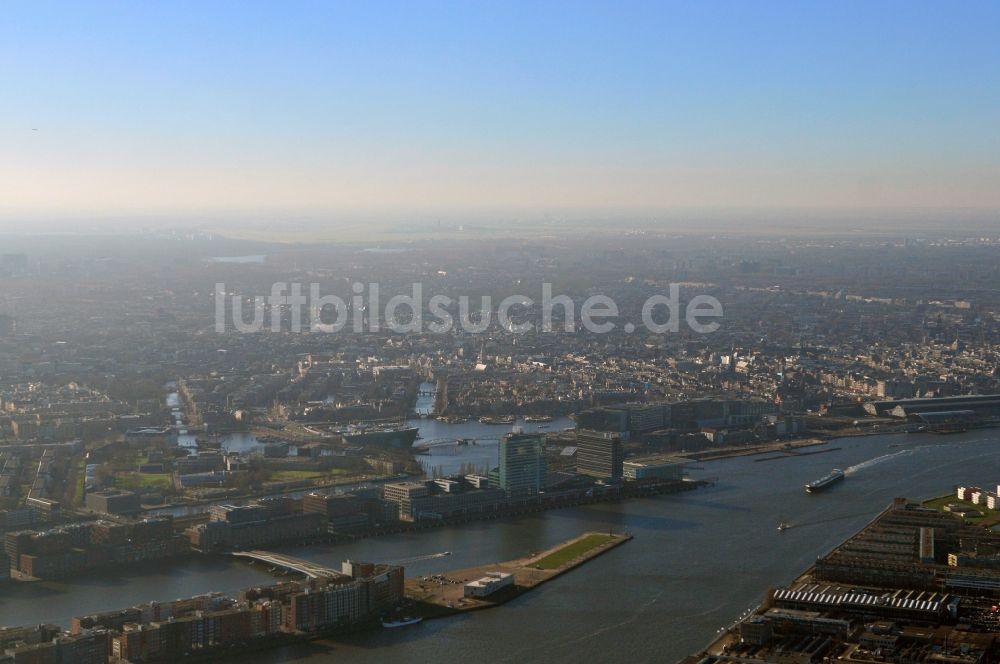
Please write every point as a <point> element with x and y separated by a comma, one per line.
<point>650,468</point>
<point>251,526</point>
<point>981,405</point>
<point>631,420</point>
<point>441,499</point>
<point>73,548</point>
<point>113,502</point>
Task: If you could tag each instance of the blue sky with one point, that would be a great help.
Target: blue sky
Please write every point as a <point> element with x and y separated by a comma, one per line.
<point>192,106</point>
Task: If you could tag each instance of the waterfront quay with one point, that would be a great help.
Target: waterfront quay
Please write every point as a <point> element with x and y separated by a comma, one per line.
<point>698,560</point>
<point>69,550</point>
<point>510,509</point>
<point>487,586</point>
<point>916,585</point>
<point>541,503</point>
<point>789,448</point>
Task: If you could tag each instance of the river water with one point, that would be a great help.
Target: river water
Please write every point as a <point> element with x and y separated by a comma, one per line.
<point>697,562</point>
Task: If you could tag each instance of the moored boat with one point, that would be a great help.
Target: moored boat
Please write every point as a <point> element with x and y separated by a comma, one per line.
<point>382,436</point>
<point>503,419</point>
<point>401,622</point>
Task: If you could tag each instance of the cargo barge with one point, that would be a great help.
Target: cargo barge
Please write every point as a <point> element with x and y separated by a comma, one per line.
<point>825,482</point>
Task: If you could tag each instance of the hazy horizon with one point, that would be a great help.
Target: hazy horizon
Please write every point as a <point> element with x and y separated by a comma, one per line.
<point>408,226</point>
<point>387,111</point>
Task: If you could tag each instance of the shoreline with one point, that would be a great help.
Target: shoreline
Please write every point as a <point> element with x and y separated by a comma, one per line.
<point>716,646</point>
<point>527,574</point>
<point>711,454</point>
<point>626,492</point>
<point>789,447</point>
<point>447,599</point>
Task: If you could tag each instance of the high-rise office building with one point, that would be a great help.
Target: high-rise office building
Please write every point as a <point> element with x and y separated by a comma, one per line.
<point>599,454</point>
<point>522,464</point>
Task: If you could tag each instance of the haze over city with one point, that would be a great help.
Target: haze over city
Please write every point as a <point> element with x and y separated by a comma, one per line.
<point>509,332</point>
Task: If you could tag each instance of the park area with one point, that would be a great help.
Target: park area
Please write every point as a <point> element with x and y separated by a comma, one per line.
<point>573,550</point>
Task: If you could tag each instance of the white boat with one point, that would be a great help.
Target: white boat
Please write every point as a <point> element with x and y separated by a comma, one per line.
<point>401,622</point>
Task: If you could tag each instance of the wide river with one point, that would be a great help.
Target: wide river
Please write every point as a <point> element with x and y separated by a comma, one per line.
<point>697,562</point>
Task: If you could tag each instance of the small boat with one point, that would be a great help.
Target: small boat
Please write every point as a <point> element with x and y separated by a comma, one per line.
<point>782,527</point>
<point>401,622</point>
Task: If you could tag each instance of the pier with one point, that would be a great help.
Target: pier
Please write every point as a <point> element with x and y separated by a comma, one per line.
<point>444,594</point>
